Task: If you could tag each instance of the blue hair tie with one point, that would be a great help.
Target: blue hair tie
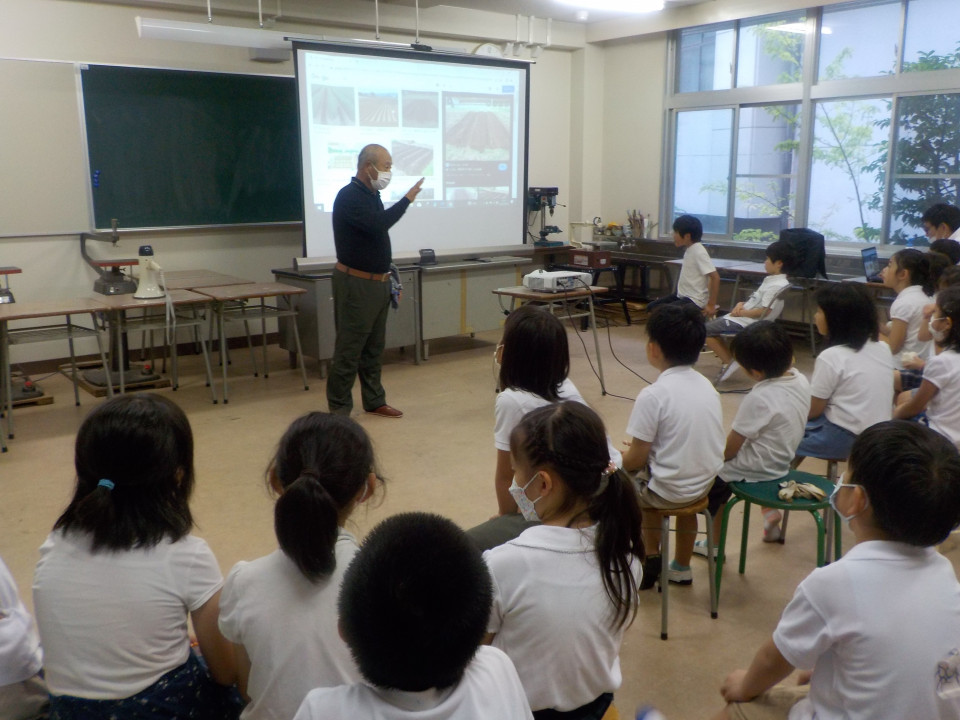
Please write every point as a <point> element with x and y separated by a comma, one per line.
<point>108,484</point>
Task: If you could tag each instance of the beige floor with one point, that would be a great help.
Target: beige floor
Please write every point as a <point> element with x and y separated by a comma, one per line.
<point>438,458</point>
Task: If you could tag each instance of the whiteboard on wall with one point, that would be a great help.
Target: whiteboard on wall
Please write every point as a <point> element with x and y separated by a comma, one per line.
<point>43,179</point>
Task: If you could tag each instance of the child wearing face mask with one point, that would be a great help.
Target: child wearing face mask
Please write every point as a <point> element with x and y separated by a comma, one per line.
<point>938,392</point>
<point>877,631</point>
<point>565,591</point>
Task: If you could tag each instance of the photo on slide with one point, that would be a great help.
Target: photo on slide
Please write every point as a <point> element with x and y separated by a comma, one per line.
<point>420,109</point>
<point>379,109</point>
<point>412,158</point>
<point>477,127</point>
<point>334,105</point>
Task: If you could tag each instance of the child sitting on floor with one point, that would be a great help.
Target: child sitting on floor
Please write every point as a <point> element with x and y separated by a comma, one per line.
<point>676,427</point>
<point>880,627</point>
<point>413,609</point>
<point>769,423</point>
<point>764,303</point>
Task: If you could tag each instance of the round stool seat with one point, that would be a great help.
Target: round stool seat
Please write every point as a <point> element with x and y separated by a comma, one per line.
<point>693,509</point>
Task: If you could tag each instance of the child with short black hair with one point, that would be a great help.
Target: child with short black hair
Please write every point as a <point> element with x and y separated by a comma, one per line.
<point>880,627</point>
<point>120,574</point>
<point>948,248</point>
<point>565,591</point>
<point>769,423</point>
<point>940,388</point>
<point>699,281</point>
<point>280,611</point>
<point>414,607</point>
<point>852,384</point>
<point>675,427</point>
<point>941,220</point>
<point>765,302</point>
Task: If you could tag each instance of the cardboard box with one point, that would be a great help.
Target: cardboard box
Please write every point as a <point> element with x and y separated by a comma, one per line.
<point>596,259</point>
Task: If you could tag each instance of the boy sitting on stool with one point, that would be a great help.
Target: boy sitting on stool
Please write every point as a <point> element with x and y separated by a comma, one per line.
<point>676,427</point>
<point>879,628</point>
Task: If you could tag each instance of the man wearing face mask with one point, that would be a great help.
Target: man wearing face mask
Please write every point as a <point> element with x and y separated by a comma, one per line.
<point>361,283</point>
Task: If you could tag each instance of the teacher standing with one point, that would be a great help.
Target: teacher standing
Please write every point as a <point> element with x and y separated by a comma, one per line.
<point>361,283</point>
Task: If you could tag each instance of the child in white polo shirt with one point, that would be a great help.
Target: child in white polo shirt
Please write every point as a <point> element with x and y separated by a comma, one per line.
<point>699,281</point>
<point>908,272</point>
<point>23,693</point>
<point>879,628</point>
<point>413,610</point>
<point>769,423</point>
<point>676,427</point>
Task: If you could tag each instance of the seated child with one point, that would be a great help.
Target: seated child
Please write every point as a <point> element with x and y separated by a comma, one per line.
<point>763,303</point>
<point>699,281</point>
<point>413,610</point>
<point>23,693</point>
<point>676,426</point>
<point>940,389</point>
<point>908,272</point>
<point>880,627</point>
<point>565,592</point>
<point>852,385</point>
<point>769,423</point>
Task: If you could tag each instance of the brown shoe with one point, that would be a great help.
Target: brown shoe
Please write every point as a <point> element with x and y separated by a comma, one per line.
<point>386,411</point>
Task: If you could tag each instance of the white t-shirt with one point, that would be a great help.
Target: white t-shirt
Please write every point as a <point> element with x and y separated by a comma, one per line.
<point>943,411</point>
<point>693,274</point>
<point>772,418</point>
<point>857,385</point>
<point>680,415</point>
<point>552,616</point>
<point>873,626</point>
<point>288,627</point>
<point>489,688</point>
<point>764,296</point>
<point>908,307</point>
<point>512,405</point>
<point>20,656</point>
<point>112,623</point>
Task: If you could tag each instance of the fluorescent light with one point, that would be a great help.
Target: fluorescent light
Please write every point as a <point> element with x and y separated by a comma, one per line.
<point>798,28</point>
<point>624,6</point>
<point>153,29</point>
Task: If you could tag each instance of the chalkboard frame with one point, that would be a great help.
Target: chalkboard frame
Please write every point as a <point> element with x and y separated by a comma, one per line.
<point>206,140</point>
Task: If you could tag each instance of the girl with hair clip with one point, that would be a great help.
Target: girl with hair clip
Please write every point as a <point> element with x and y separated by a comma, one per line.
<point>280,611</point>
<point>565,591</point>
<point>534,361</point>
<point>938,392</point>
<point>120,574</point>
<point>852,384</point>
<point>908,273</point>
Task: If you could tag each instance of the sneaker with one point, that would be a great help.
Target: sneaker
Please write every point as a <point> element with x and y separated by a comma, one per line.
<point>723,371</point>
<point>700,548</point>
<point>678,574</point>
<point>651,571</point>
<point>771,533</point>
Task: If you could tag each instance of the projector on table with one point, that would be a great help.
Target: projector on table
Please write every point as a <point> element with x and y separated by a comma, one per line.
<point>557,281</point>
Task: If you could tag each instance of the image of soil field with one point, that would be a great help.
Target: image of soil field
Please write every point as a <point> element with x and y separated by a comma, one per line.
<point>477,127</point>
<point>420,109</point>
<point>410,158</point>
<point>379,109</point>
<point>333,105</point>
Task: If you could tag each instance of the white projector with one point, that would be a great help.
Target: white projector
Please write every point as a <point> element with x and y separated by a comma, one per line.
<point>556,281</point>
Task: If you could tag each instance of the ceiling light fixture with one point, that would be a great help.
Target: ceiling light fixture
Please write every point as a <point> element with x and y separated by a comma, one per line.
<point>621,6</point>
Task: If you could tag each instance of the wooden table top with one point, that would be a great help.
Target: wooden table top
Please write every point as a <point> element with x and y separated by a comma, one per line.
<point>250,290</point>
<point>525,293</point>
<point>191,279</point>
<point>129,302</point>
<point>50,308</point>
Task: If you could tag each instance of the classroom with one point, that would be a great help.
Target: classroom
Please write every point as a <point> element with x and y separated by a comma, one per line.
<point>680,111</point>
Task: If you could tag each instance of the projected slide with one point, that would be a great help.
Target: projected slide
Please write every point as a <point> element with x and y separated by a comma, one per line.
<point>459,125</point>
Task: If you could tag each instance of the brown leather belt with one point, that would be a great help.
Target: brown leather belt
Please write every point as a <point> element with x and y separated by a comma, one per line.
<point>379,277</point>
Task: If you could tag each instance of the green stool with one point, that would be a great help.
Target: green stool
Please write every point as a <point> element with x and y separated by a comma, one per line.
<point>765,494</point>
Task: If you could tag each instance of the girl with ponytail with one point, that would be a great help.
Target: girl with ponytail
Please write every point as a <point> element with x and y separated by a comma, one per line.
<point>565,590</point>
<point>280,611</point>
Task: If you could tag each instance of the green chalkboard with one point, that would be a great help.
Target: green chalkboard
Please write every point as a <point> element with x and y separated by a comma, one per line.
<point>172,148</point>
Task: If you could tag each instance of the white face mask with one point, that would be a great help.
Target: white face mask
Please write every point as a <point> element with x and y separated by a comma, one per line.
<point>833,500</point>
<point>938,335</point>
<point>383,179</point>
<point>525,504</point>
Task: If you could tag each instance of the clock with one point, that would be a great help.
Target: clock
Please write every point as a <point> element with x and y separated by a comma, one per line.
<point>489,50</point>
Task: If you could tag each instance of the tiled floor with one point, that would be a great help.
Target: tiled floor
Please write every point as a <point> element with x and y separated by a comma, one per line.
<point>438,458</point>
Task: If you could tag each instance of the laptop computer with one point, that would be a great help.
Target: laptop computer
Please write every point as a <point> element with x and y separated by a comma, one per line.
<point>871,264</point>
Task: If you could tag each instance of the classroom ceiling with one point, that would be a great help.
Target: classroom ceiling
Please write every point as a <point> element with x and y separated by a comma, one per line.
<point>538,8</point>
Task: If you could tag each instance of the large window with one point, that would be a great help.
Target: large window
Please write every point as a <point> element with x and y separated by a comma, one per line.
<point>856,160</point>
